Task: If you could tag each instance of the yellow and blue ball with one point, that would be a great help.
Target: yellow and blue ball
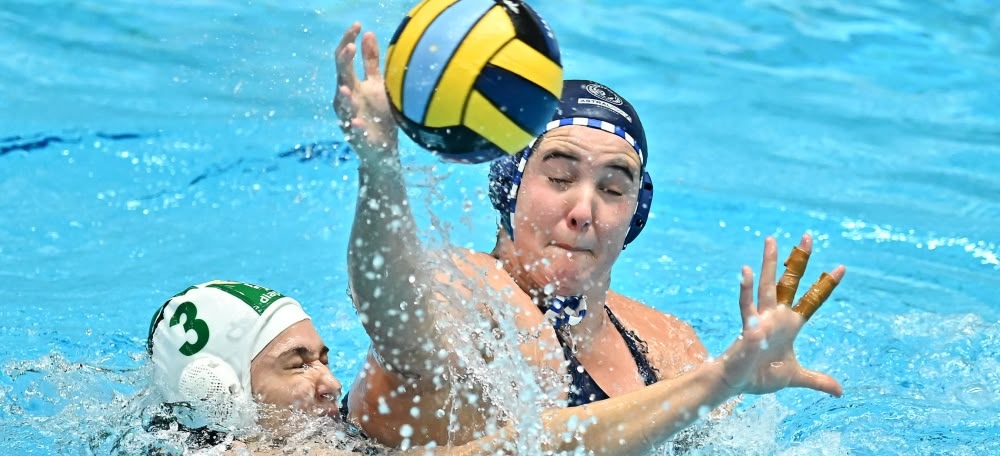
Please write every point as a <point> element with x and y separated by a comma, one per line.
<point>473,80</point>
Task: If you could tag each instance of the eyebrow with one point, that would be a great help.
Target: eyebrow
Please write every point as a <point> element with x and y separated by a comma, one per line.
<point>616,163</point>
<point>556,154</point>
<point>620,165</point>
<point>303,352</point>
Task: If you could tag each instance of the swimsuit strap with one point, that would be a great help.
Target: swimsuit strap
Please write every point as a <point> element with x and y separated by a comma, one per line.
<point>638,348</point>
<point>583,388</point>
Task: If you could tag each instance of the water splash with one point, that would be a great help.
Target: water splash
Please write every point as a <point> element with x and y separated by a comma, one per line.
<point>987,252</point>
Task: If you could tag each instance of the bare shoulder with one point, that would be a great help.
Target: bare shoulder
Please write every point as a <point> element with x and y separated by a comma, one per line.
<point>673,345</point>
<point>486,274</point>
<point>481,269</point>
<point>477,259</point>
<point>641,315</point>
<point>466,270</point>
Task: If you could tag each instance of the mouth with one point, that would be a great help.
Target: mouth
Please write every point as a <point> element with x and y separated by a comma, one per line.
<point>570,248</point>
<point>331,412</point>
<point>329,407</point>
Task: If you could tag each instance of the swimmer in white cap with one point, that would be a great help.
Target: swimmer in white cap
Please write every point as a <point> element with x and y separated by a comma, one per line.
<point>232,357</point>
<point>220,345</point>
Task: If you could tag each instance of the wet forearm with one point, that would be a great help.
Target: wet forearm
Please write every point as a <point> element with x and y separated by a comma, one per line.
<point>385,255</point>
<point>640,421</point>
<point>633,424</point>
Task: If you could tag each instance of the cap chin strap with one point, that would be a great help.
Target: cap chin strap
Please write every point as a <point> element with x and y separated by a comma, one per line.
<point>565,310</point>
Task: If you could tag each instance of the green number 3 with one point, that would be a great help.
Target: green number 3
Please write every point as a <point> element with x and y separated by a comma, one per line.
<point>191,323</point>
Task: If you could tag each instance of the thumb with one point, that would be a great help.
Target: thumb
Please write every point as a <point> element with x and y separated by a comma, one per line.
<point>817,381</point>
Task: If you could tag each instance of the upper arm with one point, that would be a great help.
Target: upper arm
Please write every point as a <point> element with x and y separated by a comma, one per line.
<point>411,336</point>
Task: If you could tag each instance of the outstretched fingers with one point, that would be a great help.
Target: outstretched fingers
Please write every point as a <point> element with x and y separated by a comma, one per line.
<point>795,267</point>
<point>369,54</point>
<point>819,292</point>
<point>345,52</point>
<point>766,287</point>
<point>347,78</point>
<point>747,308</point>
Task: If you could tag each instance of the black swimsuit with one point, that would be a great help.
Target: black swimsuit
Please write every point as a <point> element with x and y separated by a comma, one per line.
<point>583,389</point>
<point>367,445</point>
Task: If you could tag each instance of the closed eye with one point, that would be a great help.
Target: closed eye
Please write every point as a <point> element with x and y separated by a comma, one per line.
<point>298,358</point>
<point>303,366</point>
<point>611,191</point>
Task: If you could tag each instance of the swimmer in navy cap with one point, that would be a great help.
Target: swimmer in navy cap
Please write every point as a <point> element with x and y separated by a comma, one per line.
<point>569,204</point>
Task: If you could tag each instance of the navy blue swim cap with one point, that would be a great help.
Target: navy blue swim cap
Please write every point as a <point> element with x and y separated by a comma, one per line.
<point>596,102</point>
<point>584,103</point>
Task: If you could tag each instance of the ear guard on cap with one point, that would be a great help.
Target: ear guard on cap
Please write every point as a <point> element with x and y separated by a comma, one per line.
<point>215,394</point>
<point>505,179</point>
<point>641,215</point>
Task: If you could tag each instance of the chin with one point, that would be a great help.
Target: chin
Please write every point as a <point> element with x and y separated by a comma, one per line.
<point>569,280</point>
<point>571,274</point>
<point>322,409</point>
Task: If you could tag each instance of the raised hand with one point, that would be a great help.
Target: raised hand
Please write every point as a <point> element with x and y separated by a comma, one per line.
<point>763,360</point>
<point>362,104</point>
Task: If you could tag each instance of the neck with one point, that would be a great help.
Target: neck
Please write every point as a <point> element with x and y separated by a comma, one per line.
<point>596,316</point>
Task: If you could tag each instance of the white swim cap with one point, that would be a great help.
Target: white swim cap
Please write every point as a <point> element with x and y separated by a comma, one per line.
<point>202,342</point>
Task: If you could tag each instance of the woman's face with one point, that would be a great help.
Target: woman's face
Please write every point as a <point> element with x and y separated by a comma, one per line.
<point>574,207</point>
<point>291,374</point>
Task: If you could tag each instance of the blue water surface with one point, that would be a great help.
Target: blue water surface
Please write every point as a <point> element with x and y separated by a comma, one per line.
<point>146,146</point>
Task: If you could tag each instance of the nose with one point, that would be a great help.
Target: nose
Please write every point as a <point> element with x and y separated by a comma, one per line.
<point>327,385</point>
<point>581,213</point>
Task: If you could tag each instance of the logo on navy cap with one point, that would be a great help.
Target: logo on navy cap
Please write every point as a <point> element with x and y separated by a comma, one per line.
<point>603,93</point>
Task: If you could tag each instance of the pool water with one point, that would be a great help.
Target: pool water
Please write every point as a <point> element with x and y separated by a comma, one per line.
<point>147,146</point>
